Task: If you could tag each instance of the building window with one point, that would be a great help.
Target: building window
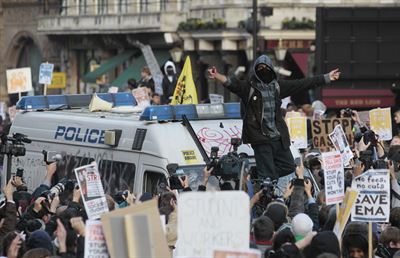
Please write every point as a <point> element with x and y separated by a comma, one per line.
<point>144,6</point>
<point>102,6</point>
<point>163,5</point>
<point>122,6</point>
<point>82,5</point>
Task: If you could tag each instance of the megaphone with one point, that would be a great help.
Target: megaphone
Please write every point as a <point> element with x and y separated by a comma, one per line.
<point>97,104</point>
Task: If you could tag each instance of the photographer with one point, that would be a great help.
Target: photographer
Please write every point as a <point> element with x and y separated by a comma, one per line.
<point>8,212</point>
<point>263,124</point>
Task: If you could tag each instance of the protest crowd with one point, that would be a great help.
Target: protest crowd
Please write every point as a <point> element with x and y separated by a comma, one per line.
<point>344,159</point>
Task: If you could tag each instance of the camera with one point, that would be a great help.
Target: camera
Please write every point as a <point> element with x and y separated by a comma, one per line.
<point>268,187</point>
<point>20,172</point>
<point>51,156</point>
<point>16,147</point>
<point>121,196</point>
<point>227,166</point>
<point>64,184</point>
<point>175,174</point>
<point>348,112</point>
<point>370,137</point>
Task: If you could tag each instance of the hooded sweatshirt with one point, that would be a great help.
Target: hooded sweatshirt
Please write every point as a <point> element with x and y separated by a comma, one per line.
<point>169,81</point>
<point>269,92</point>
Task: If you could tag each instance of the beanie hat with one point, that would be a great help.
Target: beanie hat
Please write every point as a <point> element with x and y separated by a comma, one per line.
<point>301,226</point>
<point>40,239</point>
<point>277,212</point>
<point>146,197</point>
<point>323,242</point>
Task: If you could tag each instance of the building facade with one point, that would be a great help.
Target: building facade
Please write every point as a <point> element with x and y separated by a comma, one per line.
<point>80,36</point>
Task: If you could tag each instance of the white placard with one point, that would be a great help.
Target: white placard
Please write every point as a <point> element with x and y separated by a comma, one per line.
<point>113,89</point>
<point>92,190</point>
<point>373,200</point>
<point>333,177</point>
<point>142,97</point>
<point>46,73</point>
<point>208,221</point>
<point>95,242</point>
<point>339,140</point>
<point>216,99</point>
<point>19,80</point>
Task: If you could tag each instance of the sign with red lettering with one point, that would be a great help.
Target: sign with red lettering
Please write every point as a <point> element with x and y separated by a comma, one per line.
<point>357,98</point>
<point>333,177</point>
<point>322,128</point>
<point>92,190</point>
<point>95,242</point>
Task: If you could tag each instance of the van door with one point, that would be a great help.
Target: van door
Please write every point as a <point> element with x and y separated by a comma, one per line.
<point>153,174</point>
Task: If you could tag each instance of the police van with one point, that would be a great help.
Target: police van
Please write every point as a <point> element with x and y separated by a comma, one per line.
<point>132,149</point>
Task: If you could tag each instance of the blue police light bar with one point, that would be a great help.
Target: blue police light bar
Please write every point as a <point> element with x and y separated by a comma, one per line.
<point>73,101</point>
<point>170,113</point>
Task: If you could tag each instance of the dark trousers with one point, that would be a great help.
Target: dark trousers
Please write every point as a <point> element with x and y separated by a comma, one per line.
<point>273,160</point>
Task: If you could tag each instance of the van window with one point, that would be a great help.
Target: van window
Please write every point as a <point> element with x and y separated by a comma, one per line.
<point>116,176</point>
<point>152,182</point>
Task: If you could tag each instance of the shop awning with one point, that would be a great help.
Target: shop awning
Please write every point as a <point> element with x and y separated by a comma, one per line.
<point>133,72</point>
<point>110,64</point>
<point>301,60</point>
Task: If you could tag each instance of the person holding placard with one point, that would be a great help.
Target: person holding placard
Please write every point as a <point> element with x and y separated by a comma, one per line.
<point>263,125</point>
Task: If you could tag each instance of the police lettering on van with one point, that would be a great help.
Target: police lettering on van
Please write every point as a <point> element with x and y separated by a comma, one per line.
<point>78,134</point>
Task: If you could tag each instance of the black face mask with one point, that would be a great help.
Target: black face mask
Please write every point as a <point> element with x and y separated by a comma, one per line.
<point>170,71</point>
<point>265,75</point>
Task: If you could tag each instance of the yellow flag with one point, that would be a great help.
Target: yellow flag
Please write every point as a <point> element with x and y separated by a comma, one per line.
<point>185,90</point>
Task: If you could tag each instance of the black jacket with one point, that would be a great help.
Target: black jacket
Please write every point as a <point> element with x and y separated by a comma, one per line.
<point>252,106</point>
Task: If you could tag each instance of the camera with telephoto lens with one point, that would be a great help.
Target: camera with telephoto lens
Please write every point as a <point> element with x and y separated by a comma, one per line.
<point>268,187</point>
<point>227,166</point>
<point>64,184</point>
<point>14,145</point>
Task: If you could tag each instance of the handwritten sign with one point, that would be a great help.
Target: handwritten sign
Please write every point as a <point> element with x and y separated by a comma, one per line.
<point>381,123</point>
<point>19,80</point>
<point>216,99</point>
<point>298,131</point>
<point>373,200</point>
<point>322,128</point>
<point>142,97</point>
<point>95,242</point>
<point>45,73</point>
<point>212,220</point>
<point>92,190</point>
<point>339,140</point>
<point>333,177</point>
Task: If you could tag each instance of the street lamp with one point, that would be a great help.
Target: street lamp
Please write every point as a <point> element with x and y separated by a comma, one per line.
<point>176,54</point>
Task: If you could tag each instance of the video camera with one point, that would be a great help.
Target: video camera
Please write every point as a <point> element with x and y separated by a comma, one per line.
<point>16,147</point>
<point>175,173</point>
<point>227,166</point>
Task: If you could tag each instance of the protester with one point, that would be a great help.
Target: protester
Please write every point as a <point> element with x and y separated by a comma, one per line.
<point>169,81</point>
<point>263,125</point>
<point>155,99</point>
<point>146,80</point>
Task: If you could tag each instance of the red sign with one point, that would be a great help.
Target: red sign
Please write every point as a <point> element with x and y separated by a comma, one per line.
<point>360,98</point>
<point>292,43</point>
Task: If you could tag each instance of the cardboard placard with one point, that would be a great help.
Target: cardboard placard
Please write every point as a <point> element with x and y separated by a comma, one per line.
<point>381,123</point>
<point>339,140</point>
<point>344,212</point>
<point>333,177</point>
<point>142,97</point>
<point>322,128</point>
<point>19,80</point>
<point>92,190</point>
<point>298,131</point>
<point>212,220</point>
<point>46,73</point>
<point>373,200</point>
<point>58,81</point>
<point>95,242</point>
<point>139,225</point>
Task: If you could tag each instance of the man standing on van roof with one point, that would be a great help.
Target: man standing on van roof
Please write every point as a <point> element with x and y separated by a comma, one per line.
<point>263,124</point>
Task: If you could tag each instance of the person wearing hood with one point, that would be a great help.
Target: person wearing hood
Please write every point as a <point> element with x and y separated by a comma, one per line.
<point>263,124</point>
<point>169,81</point>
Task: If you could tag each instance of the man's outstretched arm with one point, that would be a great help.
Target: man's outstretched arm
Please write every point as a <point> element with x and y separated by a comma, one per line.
<point>239,87</point>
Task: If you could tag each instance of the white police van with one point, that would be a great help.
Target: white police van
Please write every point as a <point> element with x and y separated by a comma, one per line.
<point>131,149</point>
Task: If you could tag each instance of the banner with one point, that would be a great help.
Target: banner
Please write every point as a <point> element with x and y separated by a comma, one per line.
<point>185,90</point>
<point>95,242</point>
<point>373,200</point>
<point>333,177</point>
<point>92,191</point>
<point>58,81</point>
<point>298,131</point>
<point>322,128</point>
<point>45,73</point>
<point>19,80</point>
<point>216,99</point>
<point>142,97</point>
<point>339,140</point>
<point>381,123</point>
<point>208,221</point>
